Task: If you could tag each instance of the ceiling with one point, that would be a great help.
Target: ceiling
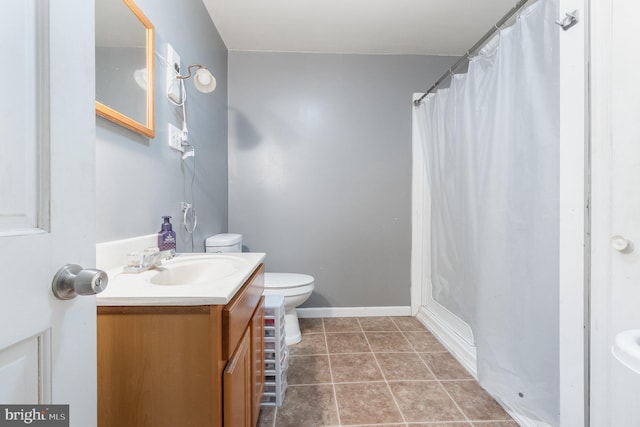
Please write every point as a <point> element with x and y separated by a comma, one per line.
<point>419,27</point>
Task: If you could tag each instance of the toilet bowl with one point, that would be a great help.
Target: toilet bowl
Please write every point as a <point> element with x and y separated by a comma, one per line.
<point>296,288</point>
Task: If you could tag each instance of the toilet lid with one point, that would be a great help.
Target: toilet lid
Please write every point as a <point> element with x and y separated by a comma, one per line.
<point>286,280</point>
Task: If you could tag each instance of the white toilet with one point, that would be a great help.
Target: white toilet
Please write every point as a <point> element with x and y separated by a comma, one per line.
<point>296,288</point>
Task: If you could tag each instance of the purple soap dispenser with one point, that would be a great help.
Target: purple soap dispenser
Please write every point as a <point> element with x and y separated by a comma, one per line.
<point>166,236</point>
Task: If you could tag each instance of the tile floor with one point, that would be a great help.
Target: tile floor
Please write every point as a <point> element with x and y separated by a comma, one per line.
<point>378,371</point>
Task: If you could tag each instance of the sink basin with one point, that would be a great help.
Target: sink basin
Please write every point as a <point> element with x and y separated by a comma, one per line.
<point>185,280</point>
<point>626,348</point>
<point>196,270</point>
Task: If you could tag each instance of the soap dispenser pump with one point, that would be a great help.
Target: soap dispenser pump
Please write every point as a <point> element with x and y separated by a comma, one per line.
<point>166,236</point>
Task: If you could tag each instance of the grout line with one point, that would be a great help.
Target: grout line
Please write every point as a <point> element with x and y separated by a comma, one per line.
<point>308,384</point>
<point>453,400</point>
<point>424,363</point>
<point>404,420</point>
<point>441,386</point>
<point>436,377</point>
<point>369,352</point>
<point>384,381</point>
<point>387,382</point>
<point>333,384</point>
<point>437,423</point>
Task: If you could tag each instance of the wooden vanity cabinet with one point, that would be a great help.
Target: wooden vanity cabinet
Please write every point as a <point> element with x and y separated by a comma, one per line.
<point>237,386</point>
<point>243,347</point>
<point>183,366</point>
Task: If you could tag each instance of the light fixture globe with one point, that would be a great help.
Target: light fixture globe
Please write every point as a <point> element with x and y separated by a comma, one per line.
<point>204,80</point>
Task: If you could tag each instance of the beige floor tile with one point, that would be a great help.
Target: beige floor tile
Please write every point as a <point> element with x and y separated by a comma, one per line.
<point>425,401</point>
<point>403,366</point>
<point>495,424</point>
<point>342,324</point>
<point>388,342</point>
<point>340,349</point>
<point>424,342</point>
<point>377,324</point>
<point>382,425</point>
<point>454,424</point>
<point>267,417</point>
<point>311,344</point>
<point>476,403</point>
<point>308,405</point>
<point>445,367</point>
<point>366,403</point>
<point>308,370</point>
<point>360,367</point>
<point>311,326</point>
<point>408,324</point>
<point>347,342</point>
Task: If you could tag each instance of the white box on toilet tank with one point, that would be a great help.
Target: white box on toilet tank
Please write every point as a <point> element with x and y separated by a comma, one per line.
<point>226,242</point>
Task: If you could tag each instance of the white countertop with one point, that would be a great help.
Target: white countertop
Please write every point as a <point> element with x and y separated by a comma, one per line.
<point>138,290</point>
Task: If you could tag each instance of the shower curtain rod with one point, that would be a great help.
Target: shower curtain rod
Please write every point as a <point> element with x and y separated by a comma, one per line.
<point>497,27</point>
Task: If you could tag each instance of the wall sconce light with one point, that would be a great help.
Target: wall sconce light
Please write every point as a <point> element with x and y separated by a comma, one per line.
<point>203,80</point>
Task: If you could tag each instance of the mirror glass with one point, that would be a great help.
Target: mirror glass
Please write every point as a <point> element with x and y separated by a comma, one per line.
<point>124,65</point>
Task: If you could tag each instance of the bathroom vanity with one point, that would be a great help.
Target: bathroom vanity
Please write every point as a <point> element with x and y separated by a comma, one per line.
<point>199,364</point>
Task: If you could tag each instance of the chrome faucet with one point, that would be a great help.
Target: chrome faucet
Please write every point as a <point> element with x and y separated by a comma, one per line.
<point>154,259</point>
<point>150,259</point>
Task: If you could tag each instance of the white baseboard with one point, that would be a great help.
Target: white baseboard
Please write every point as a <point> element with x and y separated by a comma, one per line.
<point>452,341</point>
<point>520,418</point>
<point>315,312</point>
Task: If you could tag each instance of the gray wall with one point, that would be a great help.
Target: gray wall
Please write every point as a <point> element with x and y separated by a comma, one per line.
<point>320,168</point>
<point>140,179</point>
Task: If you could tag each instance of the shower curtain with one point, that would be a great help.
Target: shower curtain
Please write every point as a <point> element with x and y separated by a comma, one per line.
<point>491,147</point>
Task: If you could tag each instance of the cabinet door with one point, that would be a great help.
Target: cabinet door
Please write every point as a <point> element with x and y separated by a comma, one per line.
<point>257,358</point>
<point>237,379</point>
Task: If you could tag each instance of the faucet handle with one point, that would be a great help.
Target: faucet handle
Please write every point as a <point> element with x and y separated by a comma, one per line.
<point>155,256</point>
<point>167,254</point>
<point>150,256</point>
<point>134,259</point>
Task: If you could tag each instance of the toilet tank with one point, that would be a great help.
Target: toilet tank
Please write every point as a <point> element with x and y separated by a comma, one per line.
<point>226,242</point>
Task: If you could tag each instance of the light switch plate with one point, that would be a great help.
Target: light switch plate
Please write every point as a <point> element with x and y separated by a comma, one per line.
<point>173,69</point>
<point>175,138</point>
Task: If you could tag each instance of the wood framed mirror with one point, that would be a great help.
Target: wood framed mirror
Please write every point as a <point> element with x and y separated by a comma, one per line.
<point>124,65</point>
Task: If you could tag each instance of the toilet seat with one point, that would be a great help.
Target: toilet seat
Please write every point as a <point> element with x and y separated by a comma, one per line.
<point>286,280</point>
<point>295,288</point>
<point>287,284</point>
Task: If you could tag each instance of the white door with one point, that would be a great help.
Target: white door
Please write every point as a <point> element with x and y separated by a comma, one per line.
<point>615,286</point>
<point>47,203</point>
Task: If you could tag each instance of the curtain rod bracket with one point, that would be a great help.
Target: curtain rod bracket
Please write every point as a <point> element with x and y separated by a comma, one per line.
<point>570,19</point>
